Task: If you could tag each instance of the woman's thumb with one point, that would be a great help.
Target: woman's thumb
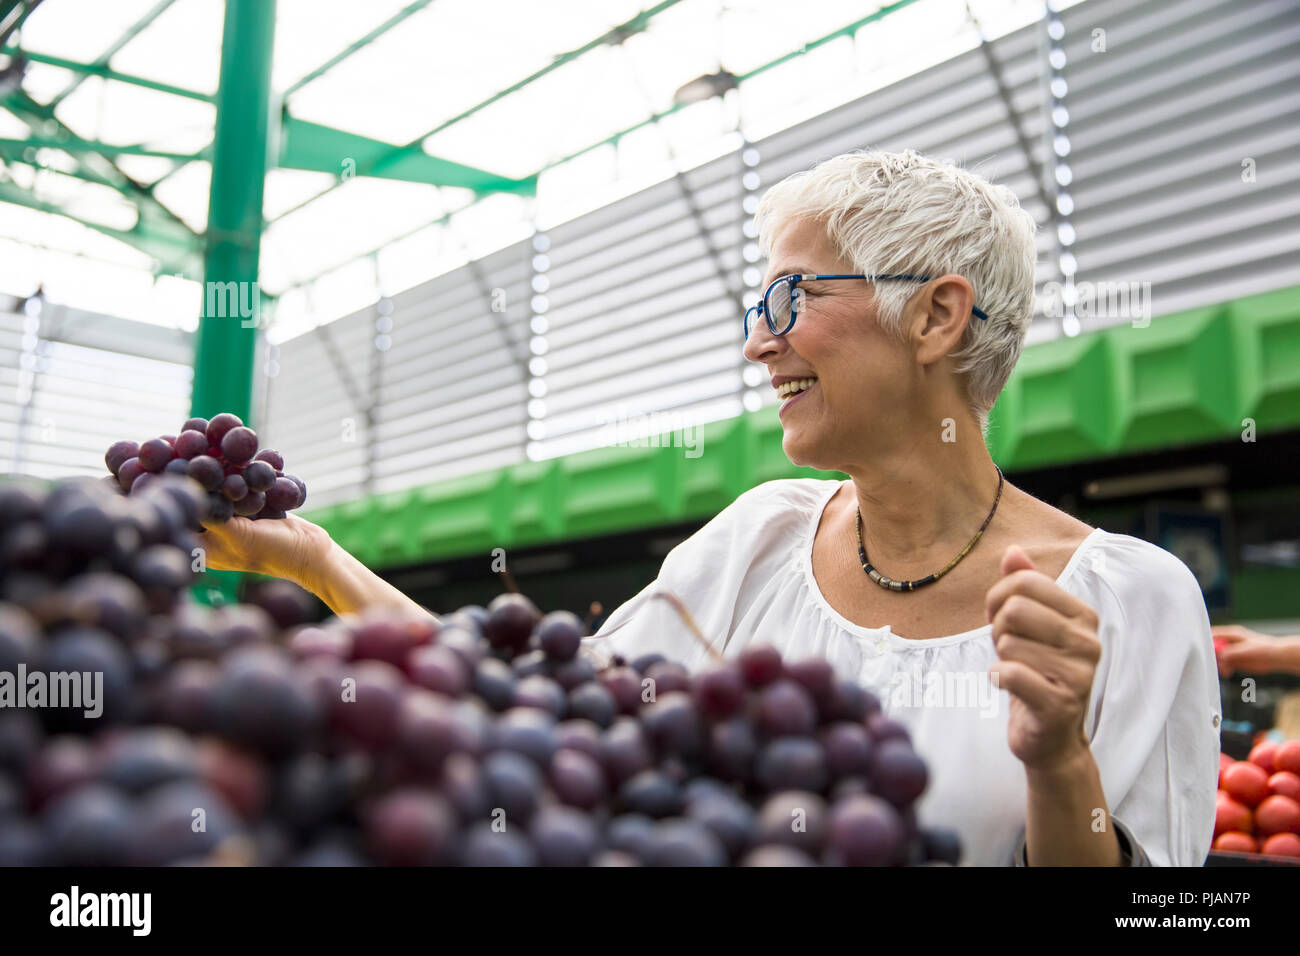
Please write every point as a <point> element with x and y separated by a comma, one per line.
<point>1015,559</point>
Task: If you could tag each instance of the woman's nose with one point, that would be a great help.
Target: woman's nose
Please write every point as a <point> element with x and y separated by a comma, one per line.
<point>762,345</point>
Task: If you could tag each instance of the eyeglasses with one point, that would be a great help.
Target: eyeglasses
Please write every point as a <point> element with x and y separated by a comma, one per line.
<point>780,303</point>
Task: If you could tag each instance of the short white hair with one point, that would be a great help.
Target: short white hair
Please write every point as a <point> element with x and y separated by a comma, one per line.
<point>906,213</point>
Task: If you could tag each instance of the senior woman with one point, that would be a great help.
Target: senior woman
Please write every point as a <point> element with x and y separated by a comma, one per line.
<point>1059,679</point>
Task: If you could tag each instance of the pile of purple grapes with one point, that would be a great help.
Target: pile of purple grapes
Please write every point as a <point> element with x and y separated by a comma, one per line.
<point>491,738</point>
<point>222,456</point>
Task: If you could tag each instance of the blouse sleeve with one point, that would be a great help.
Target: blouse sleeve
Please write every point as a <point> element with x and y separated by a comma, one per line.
<point>1154,714</point>
<point>705,573</point>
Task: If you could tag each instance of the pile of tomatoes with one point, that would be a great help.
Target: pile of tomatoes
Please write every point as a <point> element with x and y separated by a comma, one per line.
<point>1258,808</point>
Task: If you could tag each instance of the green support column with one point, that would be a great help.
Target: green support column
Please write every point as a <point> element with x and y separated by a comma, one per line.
<point>227,335</point>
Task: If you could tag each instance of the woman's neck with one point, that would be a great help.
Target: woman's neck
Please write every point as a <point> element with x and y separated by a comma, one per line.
<point>921,504</point>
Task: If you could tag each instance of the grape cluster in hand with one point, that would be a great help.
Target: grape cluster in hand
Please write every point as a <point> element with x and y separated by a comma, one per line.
<point>223,457</point>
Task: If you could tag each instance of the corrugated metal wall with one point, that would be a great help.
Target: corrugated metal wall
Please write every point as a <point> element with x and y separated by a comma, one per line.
<point>1185,140</point>
<point>72,382</point>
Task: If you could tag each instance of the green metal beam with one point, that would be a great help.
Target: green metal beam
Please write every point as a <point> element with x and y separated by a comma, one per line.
<point>366,40</point>
<point>636,24</point>
<point>76,146</point>
<point>848,30</point>
<point>176,167</point>
<point>397,153</point>
<point>440,221</point>
<point>175,253</point>
<point>322,149</point>
<point>613,36</point>
<point>13,156</point>
<point>649,121</point>
<point>314,147</point>
<point>10,23</point>
<point>225,344</point>
<point>223,365</point>
<point>96,69</point>
<point>40,116</point>
<point>158,231</point>
<point>131,33</point>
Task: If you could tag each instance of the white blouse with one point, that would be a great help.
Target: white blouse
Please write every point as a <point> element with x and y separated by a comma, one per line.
<point>1153,717</point>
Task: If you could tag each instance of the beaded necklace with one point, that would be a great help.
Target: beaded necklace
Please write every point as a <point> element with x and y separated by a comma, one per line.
<point>892,585</point>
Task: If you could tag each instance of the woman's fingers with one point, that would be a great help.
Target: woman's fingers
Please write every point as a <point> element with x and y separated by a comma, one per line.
<point>286,547</point>
<point>223,549</point>
<point>1041,588</point>
<point>1060,648</point>
<point>1024,615</point>
<point>1067,670</point>
<point>1026,684</point>
<point>242,544</point>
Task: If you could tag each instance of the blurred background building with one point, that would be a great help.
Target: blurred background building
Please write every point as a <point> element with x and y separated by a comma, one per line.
<point>477,269</point>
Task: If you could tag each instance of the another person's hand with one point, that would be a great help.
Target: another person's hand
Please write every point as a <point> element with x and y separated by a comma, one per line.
<point>1047,641</point>
<point>280,547</point>
<point>1241,649</point>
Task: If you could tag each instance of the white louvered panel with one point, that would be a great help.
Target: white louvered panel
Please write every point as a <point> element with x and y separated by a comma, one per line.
<point>333,484</point>
<point>448,347</point>
<point>662,311</point>
<point>663,399</point>
<point>453,419</point>
<point>1160,124</point>
<point>667,262</point>
<point>683,421</point>
<point>437,356</point>
<point>90,380</point>
<point>696,338</point>
<point>667,380</point>
<point>429,454</point>
<point>453,467</point>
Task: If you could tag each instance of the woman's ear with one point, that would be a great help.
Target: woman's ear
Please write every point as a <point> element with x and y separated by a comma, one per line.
<point>941,312</point>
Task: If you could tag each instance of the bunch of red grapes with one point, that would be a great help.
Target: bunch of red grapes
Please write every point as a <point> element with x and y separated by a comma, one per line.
<point>490,738</point>
<point>222,456</point>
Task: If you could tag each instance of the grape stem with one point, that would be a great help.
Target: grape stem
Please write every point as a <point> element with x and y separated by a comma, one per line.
<point>509,579</point>
<point>685,615</point>
<point>676,603</point>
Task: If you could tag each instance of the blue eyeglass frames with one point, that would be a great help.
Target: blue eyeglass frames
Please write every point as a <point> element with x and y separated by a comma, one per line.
<point>780,306</point>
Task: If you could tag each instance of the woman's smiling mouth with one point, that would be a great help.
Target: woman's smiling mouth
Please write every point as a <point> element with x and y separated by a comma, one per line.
<point>791,391</point>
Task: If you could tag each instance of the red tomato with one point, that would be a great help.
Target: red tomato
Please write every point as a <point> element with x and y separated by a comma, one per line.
<point>1286,783</point>
<point>1236,842</point>
<point>1246,782</point>
<point>1262,754</point>
<point>1277,814</point>
<point>1230,815</point>
<point>1282,844</point>
<point>1224,763</point>
<point>1287,756</point>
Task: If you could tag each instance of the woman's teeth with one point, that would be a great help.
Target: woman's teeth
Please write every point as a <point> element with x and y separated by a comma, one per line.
<point>786,389</point>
